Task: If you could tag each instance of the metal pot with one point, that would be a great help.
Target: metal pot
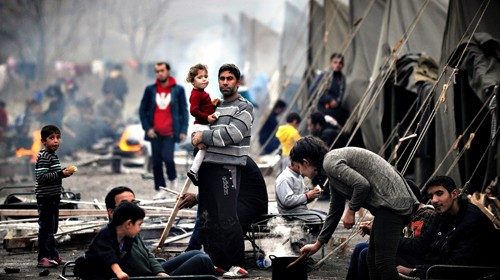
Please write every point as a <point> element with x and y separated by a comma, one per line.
<point>280,272</point>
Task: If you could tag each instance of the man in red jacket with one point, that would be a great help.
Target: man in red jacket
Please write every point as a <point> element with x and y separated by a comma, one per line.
<point>164,118</point>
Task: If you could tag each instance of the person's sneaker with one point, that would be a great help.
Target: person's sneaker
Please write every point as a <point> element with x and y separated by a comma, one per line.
<point>193,177</point>
<point>46,263</point>
<point>172,185</point>
<point>235,272</point>
<point>59,260</point>
<point>160,194</point>
<point>219,271</point>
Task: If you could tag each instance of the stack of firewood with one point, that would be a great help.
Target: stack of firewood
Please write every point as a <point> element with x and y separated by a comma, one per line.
<point>489,205</point>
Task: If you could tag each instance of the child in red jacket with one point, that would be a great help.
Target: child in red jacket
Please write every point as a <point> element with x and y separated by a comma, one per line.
<point>202,109</point>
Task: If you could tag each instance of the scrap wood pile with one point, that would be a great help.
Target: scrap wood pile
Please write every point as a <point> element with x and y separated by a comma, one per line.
<point>488,203</point>
<point>19,227</point>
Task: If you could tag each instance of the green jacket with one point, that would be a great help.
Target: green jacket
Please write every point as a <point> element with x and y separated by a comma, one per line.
<point>134,258</point>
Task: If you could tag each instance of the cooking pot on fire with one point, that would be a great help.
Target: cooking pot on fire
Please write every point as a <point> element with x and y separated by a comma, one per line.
<point>298,271</point>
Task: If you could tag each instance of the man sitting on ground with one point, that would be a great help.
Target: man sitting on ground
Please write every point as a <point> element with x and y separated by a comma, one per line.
<point>422,221</point>
<point>190,263</point>
<point>107,255</point>
<point>464,235</point>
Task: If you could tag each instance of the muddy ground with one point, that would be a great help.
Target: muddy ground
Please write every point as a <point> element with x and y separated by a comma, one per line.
<point>95,181</point>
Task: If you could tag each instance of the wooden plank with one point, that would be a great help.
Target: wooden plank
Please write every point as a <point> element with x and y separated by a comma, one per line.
<point>92,212</point>
<point>74,230</point>
<point>478,200</point>
<point>16,243</point>
<point>177,238</point>
<point>174,213</point>
<point>99,205</point>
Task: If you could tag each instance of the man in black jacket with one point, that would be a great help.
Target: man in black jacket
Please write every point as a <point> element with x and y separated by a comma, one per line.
<point>319,127</point>
<point>462,234</point>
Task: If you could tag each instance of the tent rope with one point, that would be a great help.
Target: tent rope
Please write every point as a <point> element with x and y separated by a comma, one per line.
<point>467,184</point>
<point>456,143</point>
<point>308,74</point>
<point>443,92</point>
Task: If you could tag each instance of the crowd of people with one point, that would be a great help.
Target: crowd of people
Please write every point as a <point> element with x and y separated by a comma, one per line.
<point>83,116</point>
<point>232,193</point>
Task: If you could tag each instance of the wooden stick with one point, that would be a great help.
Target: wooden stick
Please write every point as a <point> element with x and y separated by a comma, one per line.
<point>169,190</point>
<point>18,221</point>
<point>99,205</point>
<point>74,230</point>
<point>301,257</point>
<point>178,237</point>
<point>334,250</point>
<point>171,219</point>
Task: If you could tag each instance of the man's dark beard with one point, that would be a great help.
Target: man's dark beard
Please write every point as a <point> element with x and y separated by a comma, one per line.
<point>227,92</point>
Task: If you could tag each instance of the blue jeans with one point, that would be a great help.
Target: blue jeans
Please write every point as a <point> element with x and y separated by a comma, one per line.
<point>48,222</point>
<point>189,263</point>
<point>195,241</point>
<point>358,266</point>
<point>163,152</point>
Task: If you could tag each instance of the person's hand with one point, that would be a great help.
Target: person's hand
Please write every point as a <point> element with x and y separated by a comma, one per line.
<point>121,275</point>
<point>213,117</point>
<point>310,249</point>
<point>331,120</point>
<point>201,146</point>
<point>196,138</point>
<point>67,172</point>
<point>117,270</point>
<point>349,219</point>
<point>313,194</point>
<point>151,133</point>
<point>404,270</point>
<point>162,274</point>
<point>182,137</point>
<point>188,200</point>
<point>216,102</point>
<point>365,228</point>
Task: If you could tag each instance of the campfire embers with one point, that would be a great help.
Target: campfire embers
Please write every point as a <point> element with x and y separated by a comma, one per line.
<point>35,147</point>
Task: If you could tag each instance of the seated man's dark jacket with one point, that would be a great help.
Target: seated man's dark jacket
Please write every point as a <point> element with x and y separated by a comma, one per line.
<point>466,239</point>
<point>135,259</point>
<point>328,134</point>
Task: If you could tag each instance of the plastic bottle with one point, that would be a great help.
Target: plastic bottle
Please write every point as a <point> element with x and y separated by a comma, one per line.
<point>263,262</point>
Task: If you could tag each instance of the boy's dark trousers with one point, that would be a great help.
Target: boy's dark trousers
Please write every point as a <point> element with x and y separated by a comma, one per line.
<point>48,222</point>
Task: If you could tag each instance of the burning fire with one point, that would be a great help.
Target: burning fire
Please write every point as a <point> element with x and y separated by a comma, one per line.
<point>35,147</point>
<point>130,140</point>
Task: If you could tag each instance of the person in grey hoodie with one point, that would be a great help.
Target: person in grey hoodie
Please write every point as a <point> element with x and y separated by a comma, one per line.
<point>227,144</point>
<point>366,180</point>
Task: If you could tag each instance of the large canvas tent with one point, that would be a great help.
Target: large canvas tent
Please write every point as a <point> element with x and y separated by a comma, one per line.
<point>391,42</point>
<point>478,71</point>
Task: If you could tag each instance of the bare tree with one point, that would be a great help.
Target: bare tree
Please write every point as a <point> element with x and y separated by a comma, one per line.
<point>42,30</point>
<point>98,22</point>
<point>143,26</point>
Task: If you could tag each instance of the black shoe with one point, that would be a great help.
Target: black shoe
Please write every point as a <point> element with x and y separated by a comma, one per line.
<point>193,177</point>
